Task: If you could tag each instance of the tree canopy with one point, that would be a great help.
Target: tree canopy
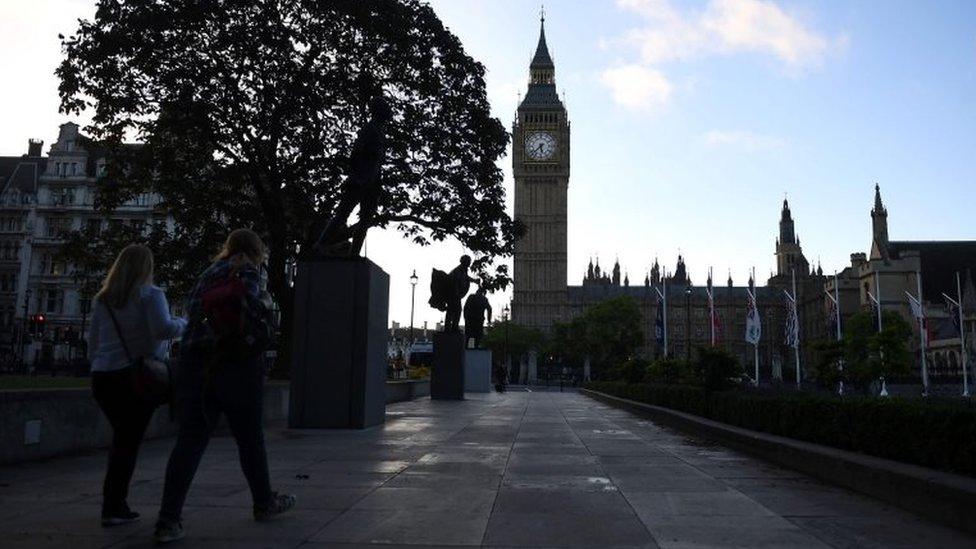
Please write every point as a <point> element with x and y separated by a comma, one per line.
<point>867,353</point>
<point>608,333</point>
<point>508,338</point>
<point>245,113</point>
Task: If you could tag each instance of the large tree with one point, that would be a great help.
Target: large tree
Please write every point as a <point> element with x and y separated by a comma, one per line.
<point>608,333</point>
<point>246,113</point>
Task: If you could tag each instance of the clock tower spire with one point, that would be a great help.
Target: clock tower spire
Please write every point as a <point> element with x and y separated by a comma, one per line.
<point>540,164</point>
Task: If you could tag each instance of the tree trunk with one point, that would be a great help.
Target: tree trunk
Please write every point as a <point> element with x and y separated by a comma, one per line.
<point>284,296</point>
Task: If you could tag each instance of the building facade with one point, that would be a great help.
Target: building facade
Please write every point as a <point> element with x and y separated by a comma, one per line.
<point>42,199</point>
<point>930,271</point>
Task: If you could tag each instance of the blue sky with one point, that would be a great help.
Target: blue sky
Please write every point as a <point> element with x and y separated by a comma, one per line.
<point>691,120</point>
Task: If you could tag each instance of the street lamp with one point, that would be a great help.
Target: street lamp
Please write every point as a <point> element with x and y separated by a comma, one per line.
<point>413,292</point>
<point>508,359</point>
<point>688,323</point>
<point>23,333</point>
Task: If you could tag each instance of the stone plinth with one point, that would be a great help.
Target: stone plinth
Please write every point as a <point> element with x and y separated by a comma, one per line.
<point>477,371</point>
<point>447,374</point>
<point>339,344</point>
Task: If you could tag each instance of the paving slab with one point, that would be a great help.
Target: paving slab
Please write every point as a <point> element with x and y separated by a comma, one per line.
<point>520,469</point>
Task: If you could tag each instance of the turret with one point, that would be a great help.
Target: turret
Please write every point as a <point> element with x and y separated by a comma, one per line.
<point>879,226</point>
<point>786,230</point>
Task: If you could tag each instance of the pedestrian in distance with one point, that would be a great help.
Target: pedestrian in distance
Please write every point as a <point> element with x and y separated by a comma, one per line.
<point>221,371</point>
<point>130,322</point>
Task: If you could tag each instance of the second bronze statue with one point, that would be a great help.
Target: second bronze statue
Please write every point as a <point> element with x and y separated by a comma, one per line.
<point>363,187</point>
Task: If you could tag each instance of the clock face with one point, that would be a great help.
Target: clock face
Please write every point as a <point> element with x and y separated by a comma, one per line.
<point>540,145</point>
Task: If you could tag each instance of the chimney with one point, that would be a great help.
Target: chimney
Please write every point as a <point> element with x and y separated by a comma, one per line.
<point>34,147</point>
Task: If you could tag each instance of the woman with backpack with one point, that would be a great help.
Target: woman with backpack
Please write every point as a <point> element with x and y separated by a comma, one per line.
<point>221,370</point>
<point>130,322</point>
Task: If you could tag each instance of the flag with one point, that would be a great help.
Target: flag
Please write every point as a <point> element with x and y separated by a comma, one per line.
<point>874,312</point>
<point>916,308</point>
<point>717,326</point>
<point>659,324</point>
<point>953,310</point>
<point>831,318</point>
<point>919,316</point>
<point>753,325</point>
<point>792,324</point>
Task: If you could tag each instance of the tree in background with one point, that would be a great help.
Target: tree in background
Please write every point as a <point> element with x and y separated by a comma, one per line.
<point>869,354</point>
<point>608,333</point>
<point>826,371</point>
<point>508,339</point>
<point>716,369</point>
<point>246,112</point>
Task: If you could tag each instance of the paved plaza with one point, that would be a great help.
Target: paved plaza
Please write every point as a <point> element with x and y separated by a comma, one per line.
<point>522,469</point>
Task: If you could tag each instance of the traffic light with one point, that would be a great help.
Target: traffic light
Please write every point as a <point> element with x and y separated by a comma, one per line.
<point>32,325</point>
<point>41,321</point>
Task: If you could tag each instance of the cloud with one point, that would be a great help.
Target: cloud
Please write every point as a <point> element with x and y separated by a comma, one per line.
<point>724,27</point>
<point>637,87</point>
<point>744,140</point>
<point>721,28</point>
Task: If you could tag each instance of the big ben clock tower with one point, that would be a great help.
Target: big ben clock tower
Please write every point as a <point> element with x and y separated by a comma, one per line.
<point>540,162</point>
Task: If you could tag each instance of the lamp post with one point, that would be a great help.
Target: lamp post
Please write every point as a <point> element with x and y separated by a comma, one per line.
<point>413,292</point>
<point>23,333</point>
<point>688,323</point>
<point>508,361</point>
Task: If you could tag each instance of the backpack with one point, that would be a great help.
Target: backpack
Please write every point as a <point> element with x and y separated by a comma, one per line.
<point>237,331</point>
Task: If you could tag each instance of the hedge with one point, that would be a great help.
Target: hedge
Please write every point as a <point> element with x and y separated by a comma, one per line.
<point>937,433</point>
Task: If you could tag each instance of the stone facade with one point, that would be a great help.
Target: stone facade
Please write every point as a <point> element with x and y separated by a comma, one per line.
<point>41,200</point>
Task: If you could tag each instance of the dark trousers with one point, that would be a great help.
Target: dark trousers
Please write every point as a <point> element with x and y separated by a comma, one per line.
<point>453,317</point>
<point>129,417</point>
<point>236,390</point>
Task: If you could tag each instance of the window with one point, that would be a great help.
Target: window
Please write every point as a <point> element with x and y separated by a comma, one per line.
<point>50,300</point>
<point>8,282</point>
<point>9,250</point>
<point>93,226</point>
<point>54,301</point>
<point>56,227</point>
<point>63,197</point>
<point>84,304</point>
<point>51,265</point>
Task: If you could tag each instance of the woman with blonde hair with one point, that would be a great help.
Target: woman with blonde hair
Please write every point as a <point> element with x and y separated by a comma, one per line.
<point>130,319</point>
<point>221,370</point>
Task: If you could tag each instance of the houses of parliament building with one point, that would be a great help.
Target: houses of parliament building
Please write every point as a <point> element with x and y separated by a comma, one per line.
<point>541,160</point>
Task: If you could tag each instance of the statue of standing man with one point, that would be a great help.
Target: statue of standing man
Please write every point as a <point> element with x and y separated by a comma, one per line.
<point>362,187</point>
<point>475,309</point>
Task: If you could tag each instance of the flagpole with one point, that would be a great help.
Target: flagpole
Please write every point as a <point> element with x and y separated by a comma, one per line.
<point>922,335</point>
<point>962,341</point>
<point>755,304</point>
<point>665,300</point>
<point>840,361</point>
<point>796,342</point>
<point>877,291</point>
<point>711,309</point>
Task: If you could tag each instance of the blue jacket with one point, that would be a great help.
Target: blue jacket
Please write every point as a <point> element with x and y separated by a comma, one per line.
<point>146,325</point>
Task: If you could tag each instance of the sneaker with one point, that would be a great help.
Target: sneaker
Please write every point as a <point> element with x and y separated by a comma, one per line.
<point>279,504</point>
<point>168,531</point>
<point>121,516</point>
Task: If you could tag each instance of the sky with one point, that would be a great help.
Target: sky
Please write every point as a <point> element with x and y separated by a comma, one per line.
<point>691,120</point>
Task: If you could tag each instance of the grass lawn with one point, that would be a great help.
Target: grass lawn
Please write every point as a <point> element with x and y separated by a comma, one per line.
<point>42,382</point>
